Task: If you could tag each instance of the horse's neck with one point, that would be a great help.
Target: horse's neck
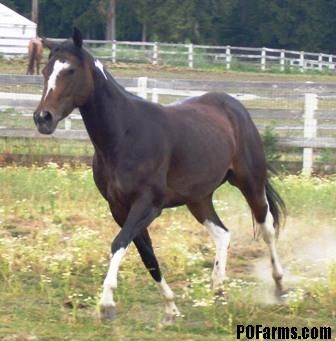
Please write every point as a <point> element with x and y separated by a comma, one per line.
<point>107,114</point>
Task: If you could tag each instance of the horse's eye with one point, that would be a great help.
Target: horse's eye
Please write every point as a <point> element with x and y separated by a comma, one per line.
<point>71,71</point>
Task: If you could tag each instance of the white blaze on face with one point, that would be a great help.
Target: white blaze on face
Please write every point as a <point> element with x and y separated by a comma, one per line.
<point>58,67</point>
<point>100,66</point>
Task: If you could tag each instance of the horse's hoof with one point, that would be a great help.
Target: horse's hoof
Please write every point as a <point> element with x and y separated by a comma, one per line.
<point>107,312</point>
<point>282,294</point>
<point>219,292</point>
<point>168,320</point>
<point>170,316</point>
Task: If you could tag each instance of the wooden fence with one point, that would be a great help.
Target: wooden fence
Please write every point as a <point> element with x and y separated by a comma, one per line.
<point>305,123</point>
<point>195,56</point>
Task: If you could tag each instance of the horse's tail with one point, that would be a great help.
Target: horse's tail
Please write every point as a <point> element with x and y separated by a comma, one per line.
<point>276,205</point>
<point>32,57</point>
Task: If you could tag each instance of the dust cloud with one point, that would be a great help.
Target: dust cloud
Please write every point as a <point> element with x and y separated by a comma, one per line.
<point>305,259</point>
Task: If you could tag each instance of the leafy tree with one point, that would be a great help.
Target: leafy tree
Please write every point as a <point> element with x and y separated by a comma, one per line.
<point>144,10</point>
<point>128,23</point>
<point>57,17</point>
<point>291,24</point>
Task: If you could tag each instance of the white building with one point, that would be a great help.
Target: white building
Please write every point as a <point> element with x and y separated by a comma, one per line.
<point>15,32</point>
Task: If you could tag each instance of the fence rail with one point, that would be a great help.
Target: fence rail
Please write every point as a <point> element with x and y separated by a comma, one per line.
<point>202,55</point>
<point>303,111</point>
<point>193,55</point>
<point>81,135</point>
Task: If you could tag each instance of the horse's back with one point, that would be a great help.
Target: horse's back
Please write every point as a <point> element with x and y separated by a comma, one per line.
<point>217,112</point>
<point>202,146</point>
<point>217,130</point>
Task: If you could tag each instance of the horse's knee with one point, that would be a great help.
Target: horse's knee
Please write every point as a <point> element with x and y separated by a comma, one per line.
<point>118,243</point>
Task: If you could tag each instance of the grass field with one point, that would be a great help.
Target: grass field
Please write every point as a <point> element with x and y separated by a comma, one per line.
<point>56,230</point>
<point>55,234</point>
<point>19,66</point>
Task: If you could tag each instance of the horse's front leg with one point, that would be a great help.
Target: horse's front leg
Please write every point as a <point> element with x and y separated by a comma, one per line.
<point>141,214</point>
<point>144,246</point>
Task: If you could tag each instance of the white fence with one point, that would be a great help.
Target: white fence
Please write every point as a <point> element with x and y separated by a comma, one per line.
<point>195,56</point>
<point>307,139</point>
<point>204,55</point>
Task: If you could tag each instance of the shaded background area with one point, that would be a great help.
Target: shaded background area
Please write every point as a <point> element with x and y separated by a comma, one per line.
<point>290,24</point>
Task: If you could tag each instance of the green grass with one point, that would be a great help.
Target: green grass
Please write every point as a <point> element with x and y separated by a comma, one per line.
<point>217,72</point>
<point>45,147</point>
<point>55,234</point>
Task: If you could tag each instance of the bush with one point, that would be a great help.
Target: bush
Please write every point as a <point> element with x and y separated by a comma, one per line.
<point>270,139</point>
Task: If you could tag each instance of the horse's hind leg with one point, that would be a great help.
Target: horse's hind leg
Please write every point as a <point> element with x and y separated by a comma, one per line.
<point>257,198</point>
<point>268,234</point>
<point>144,246</point>
<point>205,213</point>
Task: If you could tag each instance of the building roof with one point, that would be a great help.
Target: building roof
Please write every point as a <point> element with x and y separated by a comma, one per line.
<point>10,17</point>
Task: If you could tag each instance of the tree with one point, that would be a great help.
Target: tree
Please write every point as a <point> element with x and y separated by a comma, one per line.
<point>291,24</point>
<point>57,18</point>
<point>144,12</point>
<point>35,11</point>
<point>111,20</point>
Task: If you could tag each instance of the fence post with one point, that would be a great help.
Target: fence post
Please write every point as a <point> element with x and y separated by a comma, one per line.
<point>331,65</point>
<point>155,93</point>
<point>263,59</point>
<point>320,61</point>
<point>67,123</point>
<point>155,53</point>
<point>155,96</point>
<point>282,60</point>
<point>190,56</point>
<point>142,87</point>
<point>114,51</point>
<point>228,57</point>
<point>309,131</point>
<point>302,66</point>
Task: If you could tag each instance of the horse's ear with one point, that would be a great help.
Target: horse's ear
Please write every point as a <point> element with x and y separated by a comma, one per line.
<point>77,37</point>
<point>48,43</point>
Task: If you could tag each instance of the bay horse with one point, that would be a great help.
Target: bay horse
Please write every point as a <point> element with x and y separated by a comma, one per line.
<point>149,157</point>
<point>35,53</point>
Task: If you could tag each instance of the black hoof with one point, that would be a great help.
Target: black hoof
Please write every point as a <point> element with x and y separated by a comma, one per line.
<point>219,292</point>
<point>107,312</point>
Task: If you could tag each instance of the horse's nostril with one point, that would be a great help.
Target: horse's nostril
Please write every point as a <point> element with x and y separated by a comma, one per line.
<point>46,115</point>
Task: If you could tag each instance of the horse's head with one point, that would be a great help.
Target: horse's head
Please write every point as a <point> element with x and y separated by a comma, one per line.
<point>68,82</point>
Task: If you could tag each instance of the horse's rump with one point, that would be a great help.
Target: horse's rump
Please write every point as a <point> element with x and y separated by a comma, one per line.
<point>35,52</point>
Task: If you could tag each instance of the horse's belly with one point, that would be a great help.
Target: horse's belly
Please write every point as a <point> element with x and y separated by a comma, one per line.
<point>201,179</point>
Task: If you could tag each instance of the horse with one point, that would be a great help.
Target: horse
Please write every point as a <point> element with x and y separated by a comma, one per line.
<point>35,53</point>
<point>149,157</point>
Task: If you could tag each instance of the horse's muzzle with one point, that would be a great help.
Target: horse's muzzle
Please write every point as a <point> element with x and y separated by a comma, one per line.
<point>45,122</point>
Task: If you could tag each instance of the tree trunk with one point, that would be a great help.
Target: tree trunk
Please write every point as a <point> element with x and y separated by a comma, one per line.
<point>111,21</point>
<point>35,11</point>
<point>144,32</point>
